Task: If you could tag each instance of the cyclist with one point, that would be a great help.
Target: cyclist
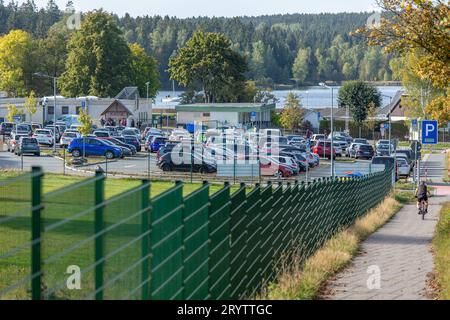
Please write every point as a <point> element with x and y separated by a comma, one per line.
<point>422,194</point>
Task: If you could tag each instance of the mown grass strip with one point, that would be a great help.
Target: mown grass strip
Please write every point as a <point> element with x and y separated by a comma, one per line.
<point>441,248</point>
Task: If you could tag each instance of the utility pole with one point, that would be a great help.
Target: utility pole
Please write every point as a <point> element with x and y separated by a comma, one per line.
<point>331,127</point>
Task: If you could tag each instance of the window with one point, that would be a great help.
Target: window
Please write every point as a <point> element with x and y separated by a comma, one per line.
<point>206,114</point>
<point>65,110</point>
<point>51,110</point>
<point>78,110</point>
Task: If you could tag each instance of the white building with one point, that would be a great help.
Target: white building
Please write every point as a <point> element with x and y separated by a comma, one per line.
<point>126,104</point>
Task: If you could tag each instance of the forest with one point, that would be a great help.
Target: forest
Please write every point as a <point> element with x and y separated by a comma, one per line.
<point>300,49</point>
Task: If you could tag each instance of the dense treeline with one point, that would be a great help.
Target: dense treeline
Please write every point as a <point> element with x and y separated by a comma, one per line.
<point>280,49</point>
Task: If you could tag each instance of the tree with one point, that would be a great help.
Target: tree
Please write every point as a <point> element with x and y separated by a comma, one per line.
<point>292,114</point>
<point>208,60</point>
<point>86,123</point>
<point>144,69</point>
<point>416,25</point>
<point>417,30</point>
<point>31,104</point>
<point>300,68</point>
<point>13,111</point>
<point>15,49</point>
<point>371,119</point>
<point>357,96</point>
<point>99,58</point>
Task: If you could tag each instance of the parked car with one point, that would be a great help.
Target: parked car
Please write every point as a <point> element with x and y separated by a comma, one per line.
<point>364,151</point>
<point>317,137</point>
<point>199,164</point>
<point>27,145</point>
<point>23,128</point>
<point>383,150</point>
<point>102,133</point>
<point>132,132</point>
<point>324,149</point>
<point>301,161</point>
<point>404,169</point>
<point>57,135</point>
<point>360,140</point>
<point>120,141</point>
<point>6,128</point>
<point>126,152</point>
<point>67,138</point>
<point>384,142</point>
<point>343,141</point>
<point>133,141</point>
<point>157,143</point>
<point>93,147</point>
<point>351,151</point>
<point>389,162</point>
<point>14,140</point>
<point>270,166</point>
<point>339,150</point>
<point>44,136</point>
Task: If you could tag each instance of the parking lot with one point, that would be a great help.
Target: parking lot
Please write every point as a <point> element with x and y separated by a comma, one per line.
<point>226,154</point>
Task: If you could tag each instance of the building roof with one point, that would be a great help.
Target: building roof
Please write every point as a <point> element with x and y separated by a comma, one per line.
<point>128,93</point>
<point>117,106</point>
<point>225,107</point>
<point>396,100</point>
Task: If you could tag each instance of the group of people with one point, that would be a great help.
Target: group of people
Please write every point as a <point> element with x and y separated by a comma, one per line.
<point>122,122</point>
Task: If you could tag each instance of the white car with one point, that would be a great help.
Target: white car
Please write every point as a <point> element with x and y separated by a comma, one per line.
<point>403,167</point>
<point>67,138</point>
<point>338,149</point>
<point>44,136</point>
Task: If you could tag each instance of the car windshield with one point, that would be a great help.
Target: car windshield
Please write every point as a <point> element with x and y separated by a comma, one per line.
<point>365,147</point>
<point>128,132</point>
<point>29,141</point>
<point>7,125</point>
<point>70,135</point>
<point>22,128</point>
<point>385,161</point>
<point>43,132</point>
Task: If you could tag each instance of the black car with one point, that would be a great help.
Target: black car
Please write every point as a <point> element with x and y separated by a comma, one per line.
<point>6,128</point>
<point>27,146</point>
<point>123,143</point>
<point>364,151</point>
<point>183,162</point>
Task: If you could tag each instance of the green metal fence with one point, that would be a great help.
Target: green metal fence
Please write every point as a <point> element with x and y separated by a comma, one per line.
<point>76,244</point>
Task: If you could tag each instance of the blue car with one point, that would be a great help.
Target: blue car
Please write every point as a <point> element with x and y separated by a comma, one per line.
<point>157,143</point>
<point>93,147</point>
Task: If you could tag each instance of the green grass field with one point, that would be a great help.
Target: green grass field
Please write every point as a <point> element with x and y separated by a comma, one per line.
<point>72,243</point>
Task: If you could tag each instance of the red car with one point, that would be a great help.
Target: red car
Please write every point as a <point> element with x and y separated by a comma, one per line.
<point>324,149</point>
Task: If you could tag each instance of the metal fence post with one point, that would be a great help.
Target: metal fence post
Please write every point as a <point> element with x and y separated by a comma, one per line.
<point>145,248</point>
<point>36,228</point>
<point>99,239</point>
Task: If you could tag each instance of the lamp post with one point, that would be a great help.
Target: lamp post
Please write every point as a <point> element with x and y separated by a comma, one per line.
<point>43,75</point>
<point>331,127</point>
<point>389,118</point>
<point>148,101</point>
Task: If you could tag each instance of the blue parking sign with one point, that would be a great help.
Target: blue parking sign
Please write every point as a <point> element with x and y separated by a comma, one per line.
<point>429,132</point>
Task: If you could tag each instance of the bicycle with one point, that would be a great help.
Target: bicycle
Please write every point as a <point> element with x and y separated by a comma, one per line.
<point>422,209</point>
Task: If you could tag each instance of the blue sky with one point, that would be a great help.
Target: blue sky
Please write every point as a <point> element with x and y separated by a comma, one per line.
<point>228,8</point>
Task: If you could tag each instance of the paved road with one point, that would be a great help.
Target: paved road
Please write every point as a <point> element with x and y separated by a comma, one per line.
<point>399,253</point>
<point>433,167</point>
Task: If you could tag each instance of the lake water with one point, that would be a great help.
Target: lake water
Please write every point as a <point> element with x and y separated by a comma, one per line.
<point>312,97</point>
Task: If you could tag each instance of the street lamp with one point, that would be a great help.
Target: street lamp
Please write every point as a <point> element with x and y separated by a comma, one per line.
<point>389,118</point>
<point>148,101</point>
<point>43,75</point>
<point>332,126</point>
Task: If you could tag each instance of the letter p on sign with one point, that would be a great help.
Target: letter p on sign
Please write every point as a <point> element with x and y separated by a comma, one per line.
<point>429,132</point>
